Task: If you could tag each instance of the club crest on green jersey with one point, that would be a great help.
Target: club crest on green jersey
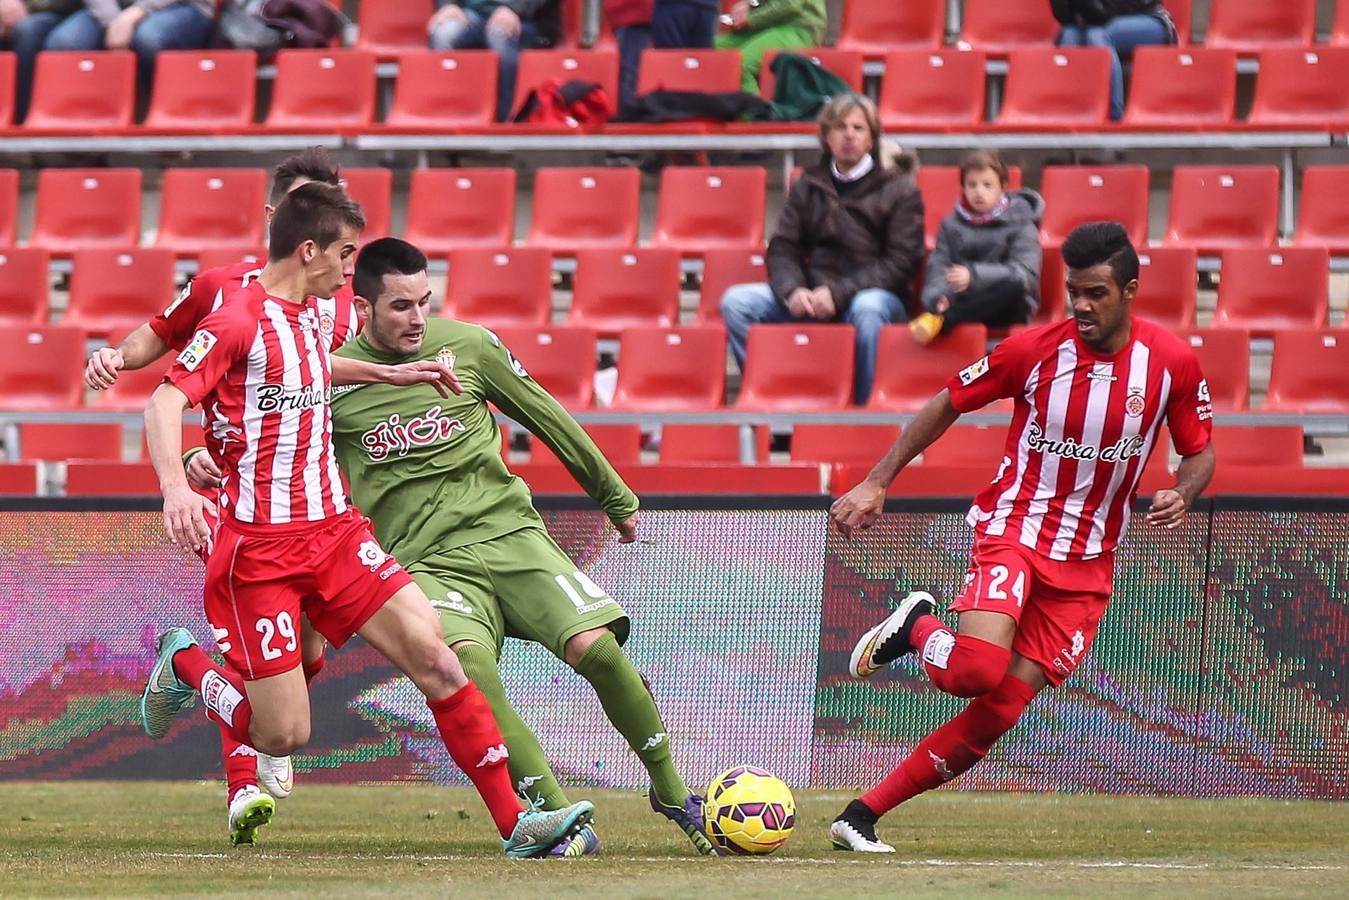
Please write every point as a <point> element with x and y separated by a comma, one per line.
<point>446,355</point>
<point>395,437</point>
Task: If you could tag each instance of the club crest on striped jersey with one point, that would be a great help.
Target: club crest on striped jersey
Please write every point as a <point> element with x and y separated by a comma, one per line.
<point>1135,403</point>
<point>396,437</point>
<point>974,371</point>
<point>196,349</point>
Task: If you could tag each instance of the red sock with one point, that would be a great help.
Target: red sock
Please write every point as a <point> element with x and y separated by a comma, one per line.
<point>959,664</point>
<point>221,690</point>
<point>313,667</point>
<point>471,735</point>
<point>241,763</point>
<point>954,747</point>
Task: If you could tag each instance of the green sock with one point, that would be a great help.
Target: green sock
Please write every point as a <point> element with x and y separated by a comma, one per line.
<point>630,706</point>
<point>527,763</point>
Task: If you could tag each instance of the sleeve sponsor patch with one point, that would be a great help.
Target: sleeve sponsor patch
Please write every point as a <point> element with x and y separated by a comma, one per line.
<point>1204,404</point>
<point>974,371</point>
<point>196,349</point>
<point>178,301</point>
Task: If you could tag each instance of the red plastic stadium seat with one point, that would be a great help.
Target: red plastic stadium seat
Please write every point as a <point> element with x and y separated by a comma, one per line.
<point>722,479</point>
<point>213,257</point>
<point>724,267</point>
<point>24,286</point>
<point>70,440</point>
<point>193,436</point>
<point>1174,87</point>
<point>1258,445</point>
<point>617,288</point>
<point>940,187</point>
<point>508,286</point>
<point>1323,216</point>
<point>919,481</point>
<point>671,369</point>
<point>705,207</point>
<point>203,91</point>
<point>978,446</point>
<point>1263,290</point>
<point>373,189</point>
<point>9,206</point>
<point>1167,286</point>
<point>1225,359</point>
<point>451,208</point>
<point>41,368</point>
<point>908,374</point>
<point>78,92</point>
<point>1053,289</point>
<point>387,29</point>
<point>443,90</point>
<point>1339,26</point>
<point>80,208</point>
<point>846,64</point>
<point>932,89</point>
<point>861,445</point>
<point>687,443</point>
<point>98,479</point>
<point>1057,87</point>
<point>875,28</point>
<point>133,387</point>
<point>18,479</point>
<point>1077,194</point>
<point>1182,14</point>
<point>1249,26</point>
<point>322,89</point>
<point>8,70</point>
<point>560,358</point>
<point>211,207</point>
<point>1216,207</point>
<point>621,444</point>
<point>712,71</point>
<point>1307,373</point>
<point>998,26</point>
<point>1302,87</point>
<point>113,291</point>
<point>538,66</point>
<point>585,207</point>
<point>797,368</point>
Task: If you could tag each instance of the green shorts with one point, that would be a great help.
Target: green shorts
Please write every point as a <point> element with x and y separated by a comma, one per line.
<point>518,585</point>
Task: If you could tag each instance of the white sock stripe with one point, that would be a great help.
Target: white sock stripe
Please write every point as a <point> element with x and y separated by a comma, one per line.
<point>218,695</point>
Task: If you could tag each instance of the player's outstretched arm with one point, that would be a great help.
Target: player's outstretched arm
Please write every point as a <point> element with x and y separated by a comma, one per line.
<point>184,518</point>
<point>859,509</point>
<point>1169,506</point>
<point>421,371</point>
<point>136,351</point>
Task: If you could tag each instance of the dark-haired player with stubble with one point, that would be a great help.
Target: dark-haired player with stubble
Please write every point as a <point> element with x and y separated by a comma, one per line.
<point>1091,394</point>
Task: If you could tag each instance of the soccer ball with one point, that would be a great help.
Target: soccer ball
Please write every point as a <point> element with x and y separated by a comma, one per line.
<point>749,810</point>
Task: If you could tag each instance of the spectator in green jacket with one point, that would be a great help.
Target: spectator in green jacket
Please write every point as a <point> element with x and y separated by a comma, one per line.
<point>757,26</point>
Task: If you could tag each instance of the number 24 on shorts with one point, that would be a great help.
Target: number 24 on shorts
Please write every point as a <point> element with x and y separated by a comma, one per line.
<point>997,577</point>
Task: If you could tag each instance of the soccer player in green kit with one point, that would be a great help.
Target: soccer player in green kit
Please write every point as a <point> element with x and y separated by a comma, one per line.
<point>428,472</point>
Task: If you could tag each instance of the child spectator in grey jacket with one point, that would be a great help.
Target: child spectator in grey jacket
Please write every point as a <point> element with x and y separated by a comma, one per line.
<point>986,265</point>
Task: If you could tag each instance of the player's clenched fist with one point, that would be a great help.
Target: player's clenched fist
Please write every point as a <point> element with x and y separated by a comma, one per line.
<point>101,370</point>
<point>1167,509</point>
<point>858,509</point>
<point>185,517</point>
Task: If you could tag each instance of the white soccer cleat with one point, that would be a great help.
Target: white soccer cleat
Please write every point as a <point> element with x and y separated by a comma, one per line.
<point>250,809</point>
<point>889,640</point>
<point>276,775</point>
<point>845,835</point>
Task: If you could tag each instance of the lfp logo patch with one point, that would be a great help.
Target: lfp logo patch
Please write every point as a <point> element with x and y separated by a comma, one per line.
<point>196,349</point>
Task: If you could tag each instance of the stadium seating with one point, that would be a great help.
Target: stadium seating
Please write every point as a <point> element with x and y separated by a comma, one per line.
<point>1265,290</point>
<point>932,90</point>
<point>999,26</point>
<point>620,443</point>
<point>1056,88</point>
<point>713,71</point>
<point>875,28</point>
<point>506,286</point>
<point>1258,445</point>
<point>80,208</point>
<point>438,91</point>
<point>388,29</point>
<point>373,189</point>
<point>585,207</point>
<point>9,206</point>
<point>560,358</point>
<point>1216,207</point>
<point>450,208</point>
<point>846,64</point>
<point>861,445</point>
<point>1053,290</point>
<point>1224,356</point>
<point>323,90</point>
<point>1323,216</point>
<point>70,440</point>
<point>538,66</point>
<point>1077,194</point>
<point>82,93</point>
<point>797,368</point>
<point>203,91</point>
<point>724,267</point>
<point>1183,88</point>
<point>1249,26</point>
<point>18,479</point>
<point>212,257</point>
<point>1307,373</point>
<point>193,436</point>
<point>621,288</point>
<point>1339,26</point>
<point>960,482</point>
<point>1302,87</point>
<point>41,368</point>
<point>1182,13</point>
<point>99,479</point>
<point>704,207</point>
<point>211,207</point>
<point>24,286</point>
<point>113,291</point>
<point>908,373</point>
<point>671,369</point>
<point>940,187</point>
<point>1167,286</point>
<point>980,446</point>
<point>683,443</point>
<point>133,387</point>
<point>8,71</point>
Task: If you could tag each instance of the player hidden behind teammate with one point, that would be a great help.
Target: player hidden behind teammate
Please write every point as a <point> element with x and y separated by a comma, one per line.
<point>287,536</point>
<point>1090,395</point>
<point>429,473</point>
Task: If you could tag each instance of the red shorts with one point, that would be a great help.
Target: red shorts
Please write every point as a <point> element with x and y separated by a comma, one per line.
<point>1057,605</point>
<point>257,585</point>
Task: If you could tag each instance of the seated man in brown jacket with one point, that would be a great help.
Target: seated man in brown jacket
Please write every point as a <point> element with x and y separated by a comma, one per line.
<point>847,246</point>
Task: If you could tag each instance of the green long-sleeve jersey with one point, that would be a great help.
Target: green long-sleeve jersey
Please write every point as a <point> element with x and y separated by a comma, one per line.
<point>428,471</point>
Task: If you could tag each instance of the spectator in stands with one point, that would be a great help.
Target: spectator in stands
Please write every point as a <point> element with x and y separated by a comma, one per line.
<point>676,24</point>
<point>986,265</point>
<point>503,26</point>
<point>631,21</point>
<point>757,26</point>
<point>1118,25</point>
<point>144,26</point>
<point>848,243</point>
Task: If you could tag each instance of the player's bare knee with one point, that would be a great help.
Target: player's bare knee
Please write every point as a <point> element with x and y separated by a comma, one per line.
<point>578,644</point>
<point>281,738</point>
<point>439,671</point>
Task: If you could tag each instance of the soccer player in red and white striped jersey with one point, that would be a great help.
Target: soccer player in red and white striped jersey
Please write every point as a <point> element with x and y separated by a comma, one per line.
<point>1091,394</point>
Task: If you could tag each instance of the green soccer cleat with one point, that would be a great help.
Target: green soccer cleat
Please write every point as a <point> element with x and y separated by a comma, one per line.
<point>165,693</point>
<point>537,831</point>
<point>249,810</point>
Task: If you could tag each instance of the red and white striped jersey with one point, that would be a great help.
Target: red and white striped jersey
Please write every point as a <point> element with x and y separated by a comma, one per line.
<point>1082,429</point>
<point>259,367</point>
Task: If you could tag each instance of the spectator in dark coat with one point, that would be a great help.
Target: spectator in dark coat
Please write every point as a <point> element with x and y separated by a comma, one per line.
<point>631,21</point>
<point>1118,25</point>
<point>503,26</point>
<point>683,23</point>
